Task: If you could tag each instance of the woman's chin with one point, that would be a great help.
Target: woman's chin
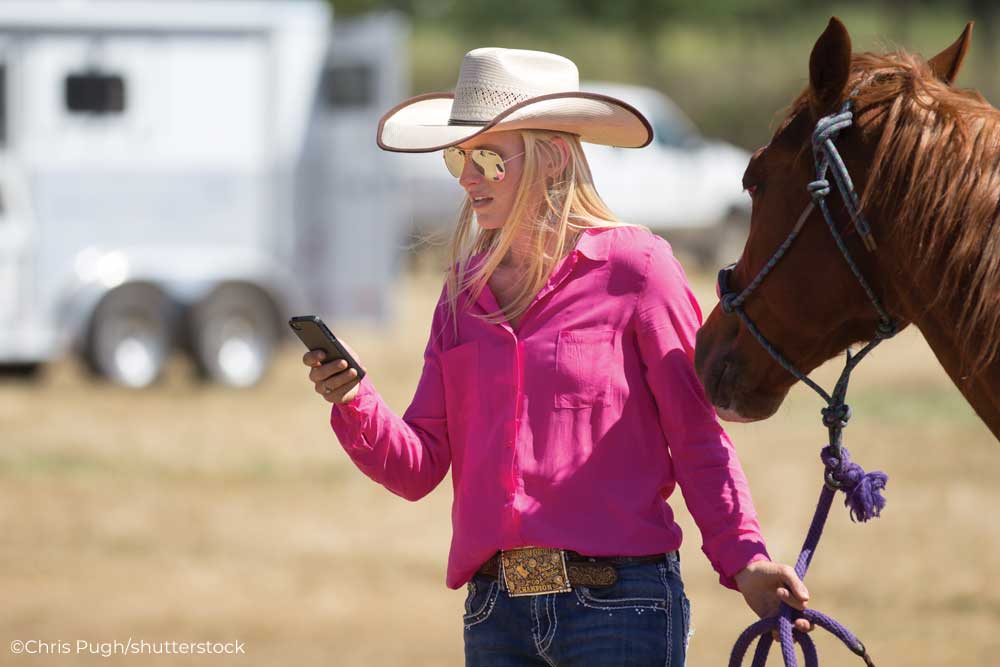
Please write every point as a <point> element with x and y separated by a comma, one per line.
<point>486,222</point>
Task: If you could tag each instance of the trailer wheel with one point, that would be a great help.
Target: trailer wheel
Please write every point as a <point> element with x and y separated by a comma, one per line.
<point>232,335</point>
<point>22,370</point>
<point>130,336</point>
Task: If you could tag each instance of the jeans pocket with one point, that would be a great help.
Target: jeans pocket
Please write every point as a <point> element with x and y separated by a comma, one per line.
<point>680,634</point>
<point>584,364</point>
<point>480,601</point>
<point>639,586</point>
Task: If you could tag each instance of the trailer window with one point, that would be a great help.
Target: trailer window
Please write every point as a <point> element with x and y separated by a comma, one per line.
<point>93,92</point>
<point>348,86</point>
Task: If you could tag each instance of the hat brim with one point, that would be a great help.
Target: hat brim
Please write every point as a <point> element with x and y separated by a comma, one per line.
<point>420,124</point>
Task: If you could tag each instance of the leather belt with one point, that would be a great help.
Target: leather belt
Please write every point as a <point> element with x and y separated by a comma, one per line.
<point>590,571</point>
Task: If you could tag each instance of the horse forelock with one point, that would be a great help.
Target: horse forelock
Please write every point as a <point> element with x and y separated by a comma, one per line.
<point>935,179</point>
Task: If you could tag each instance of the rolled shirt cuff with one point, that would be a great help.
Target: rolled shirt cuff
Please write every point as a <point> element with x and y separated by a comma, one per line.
<point>737,557</point>
<point>351,420</point>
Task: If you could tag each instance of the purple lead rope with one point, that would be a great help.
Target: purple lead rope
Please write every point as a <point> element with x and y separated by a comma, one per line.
<point>863,491</point>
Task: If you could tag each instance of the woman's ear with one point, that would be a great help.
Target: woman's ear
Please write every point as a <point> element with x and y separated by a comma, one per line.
<point>557,163</point>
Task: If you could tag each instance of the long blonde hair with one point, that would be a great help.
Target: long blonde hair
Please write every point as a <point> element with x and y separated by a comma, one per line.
<point>569,205</point>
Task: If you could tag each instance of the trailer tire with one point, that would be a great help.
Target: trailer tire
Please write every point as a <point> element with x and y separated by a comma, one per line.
<point>232,334</point>
<point>130,335</point>
<point>20,371</point>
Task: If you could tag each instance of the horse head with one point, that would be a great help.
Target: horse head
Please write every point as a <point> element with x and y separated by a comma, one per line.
<point>810,306</point>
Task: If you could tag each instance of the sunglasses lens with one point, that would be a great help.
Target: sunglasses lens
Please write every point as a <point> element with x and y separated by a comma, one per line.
<point>454,159</point>
<point>489,163</point>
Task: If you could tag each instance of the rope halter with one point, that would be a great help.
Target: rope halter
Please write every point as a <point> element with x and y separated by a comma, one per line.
<point>862,490</point>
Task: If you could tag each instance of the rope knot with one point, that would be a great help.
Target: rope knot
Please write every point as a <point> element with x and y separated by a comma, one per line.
<point>863,490</point>
<point>818,189</point>
<point>886,328</point>
<point>837,415</point>
<point>828,127</point>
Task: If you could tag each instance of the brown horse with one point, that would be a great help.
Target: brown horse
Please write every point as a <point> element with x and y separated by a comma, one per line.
<point>926,158</point>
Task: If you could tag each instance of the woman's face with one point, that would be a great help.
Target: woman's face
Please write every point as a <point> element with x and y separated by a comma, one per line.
<point>492,201</point>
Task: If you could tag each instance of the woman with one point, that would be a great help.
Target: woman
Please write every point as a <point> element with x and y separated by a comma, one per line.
<point>558,384</point>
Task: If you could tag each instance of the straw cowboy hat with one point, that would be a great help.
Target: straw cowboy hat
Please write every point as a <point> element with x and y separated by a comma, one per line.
<point>511,89</point>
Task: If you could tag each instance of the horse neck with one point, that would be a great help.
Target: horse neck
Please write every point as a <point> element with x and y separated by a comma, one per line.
<point>910,297</point>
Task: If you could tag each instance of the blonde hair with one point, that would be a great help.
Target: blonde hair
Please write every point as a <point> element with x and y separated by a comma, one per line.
<point>569,204</point>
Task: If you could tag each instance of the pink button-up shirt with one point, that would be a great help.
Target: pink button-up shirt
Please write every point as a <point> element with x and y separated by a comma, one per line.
<point>572,431</point>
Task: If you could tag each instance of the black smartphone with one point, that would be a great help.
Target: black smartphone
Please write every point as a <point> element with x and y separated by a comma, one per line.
<point>312,331</point>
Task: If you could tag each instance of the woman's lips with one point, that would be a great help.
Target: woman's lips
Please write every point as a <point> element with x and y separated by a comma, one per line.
<point>480,202</point>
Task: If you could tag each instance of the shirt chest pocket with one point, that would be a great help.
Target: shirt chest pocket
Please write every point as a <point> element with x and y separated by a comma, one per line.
<point>584,367</point>
<point>460,373</point>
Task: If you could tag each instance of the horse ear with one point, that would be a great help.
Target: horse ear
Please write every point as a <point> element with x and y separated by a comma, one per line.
<point>829,67</point>
<point>946,64</point>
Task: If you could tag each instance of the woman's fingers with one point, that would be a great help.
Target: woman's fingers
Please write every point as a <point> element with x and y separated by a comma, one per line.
<point>331,383</point>
<point>313,357</point>
<point>796,593</point>
<point>802,625</point>
<point>328,370</point>
<point>334,381</point>
<point>791,600</point>
<point>345,392</point>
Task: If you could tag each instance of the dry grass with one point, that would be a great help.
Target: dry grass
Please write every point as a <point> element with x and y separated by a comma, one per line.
<point>195,513</point>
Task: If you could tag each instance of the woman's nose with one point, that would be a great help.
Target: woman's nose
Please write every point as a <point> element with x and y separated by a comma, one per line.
<point>470,175</point>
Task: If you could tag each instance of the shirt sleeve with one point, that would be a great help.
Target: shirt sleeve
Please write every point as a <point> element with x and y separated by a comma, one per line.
<point>408,455</point>
<point>705,463</point>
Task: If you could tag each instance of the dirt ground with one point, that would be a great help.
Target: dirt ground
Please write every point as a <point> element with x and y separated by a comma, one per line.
<point>194,513</point>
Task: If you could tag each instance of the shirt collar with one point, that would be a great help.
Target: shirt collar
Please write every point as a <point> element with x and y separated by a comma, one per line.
<point>594,244</point>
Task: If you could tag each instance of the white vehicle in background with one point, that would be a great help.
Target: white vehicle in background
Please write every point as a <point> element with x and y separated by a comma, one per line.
<point>187,175</point>
<point>682,186</point>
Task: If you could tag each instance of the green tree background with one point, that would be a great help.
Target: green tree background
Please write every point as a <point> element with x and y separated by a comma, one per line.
<point>730,65</point>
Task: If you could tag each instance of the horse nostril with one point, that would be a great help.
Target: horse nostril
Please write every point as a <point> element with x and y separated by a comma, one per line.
<point>713,379</point>
<point>725,374</point>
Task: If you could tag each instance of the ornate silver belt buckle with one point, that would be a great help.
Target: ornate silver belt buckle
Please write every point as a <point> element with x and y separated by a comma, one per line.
<point>534,571</point>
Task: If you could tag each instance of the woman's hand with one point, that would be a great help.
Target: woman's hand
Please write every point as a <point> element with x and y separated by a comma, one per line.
<point>334,380</point>
<point>765,585</point>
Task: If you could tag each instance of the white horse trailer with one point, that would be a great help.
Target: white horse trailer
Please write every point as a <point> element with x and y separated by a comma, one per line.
<point>186,175</point>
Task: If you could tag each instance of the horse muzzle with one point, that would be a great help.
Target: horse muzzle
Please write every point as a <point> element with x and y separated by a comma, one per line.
<point>728,376</point>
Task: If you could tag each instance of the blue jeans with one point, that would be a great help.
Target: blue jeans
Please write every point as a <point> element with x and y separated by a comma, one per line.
<point>641,620</point>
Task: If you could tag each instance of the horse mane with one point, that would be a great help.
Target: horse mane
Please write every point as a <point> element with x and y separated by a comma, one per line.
<point>936,175</point>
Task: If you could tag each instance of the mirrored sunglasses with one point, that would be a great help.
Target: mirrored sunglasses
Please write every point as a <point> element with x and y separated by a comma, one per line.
<point>488,163</point>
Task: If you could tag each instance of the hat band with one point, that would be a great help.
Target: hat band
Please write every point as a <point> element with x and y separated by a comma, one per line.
<point>457,121</point>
